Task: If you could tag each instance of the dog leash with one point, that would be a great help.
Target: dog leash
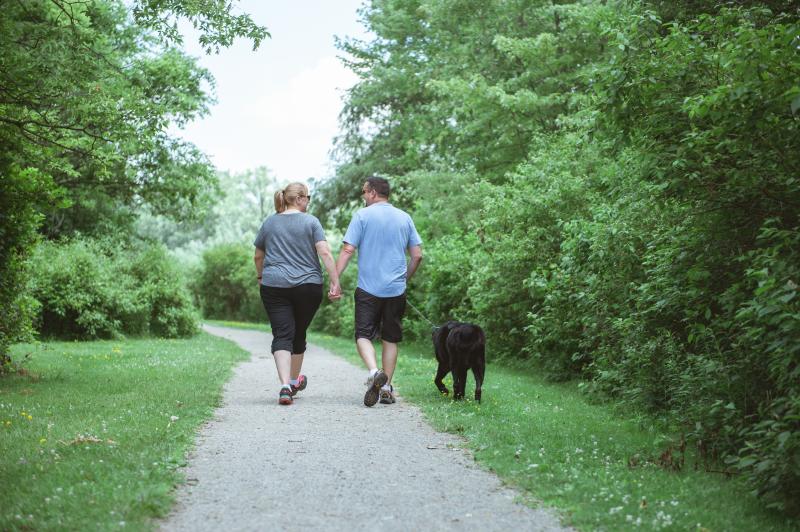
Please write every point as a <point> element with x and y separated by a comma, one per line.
<point>421,314</point>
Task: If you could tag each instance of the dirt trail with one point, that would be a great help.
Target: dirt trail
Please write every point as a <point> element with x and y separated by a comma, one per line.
<point>329,463</point>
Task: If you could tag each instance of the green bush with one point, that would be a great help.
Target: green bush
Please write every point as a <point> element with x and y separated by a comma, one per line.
<point>91,289</point>
<point>161,285</point>
<point>226,286</point>
<point>22,194</point>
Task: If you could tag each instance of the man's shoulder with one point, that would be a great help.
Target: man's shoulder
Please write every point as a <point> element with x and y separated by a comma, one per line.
<point>382,210</point>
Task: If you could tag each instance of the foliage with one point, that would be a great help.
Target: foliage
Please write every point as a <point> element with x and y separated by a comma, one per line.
<point>609,188</point>
<point>89,92</point>
<point>91,95</point>
<point>338,317</point>
<point>226,285</point>
<point>90,289</point>
<point>22,193</point>
<point>244,200</point>
<point>215,20</point>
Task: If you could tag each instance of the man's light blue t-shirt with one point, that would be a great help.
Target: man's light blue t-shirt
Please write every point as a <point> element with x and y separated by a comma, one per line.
<point>382,233</point>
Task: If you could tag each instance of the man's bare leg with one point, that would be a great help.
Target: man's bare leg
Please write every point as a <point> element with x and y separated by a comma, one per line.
<point>367,352</point>
<point>389,359</point>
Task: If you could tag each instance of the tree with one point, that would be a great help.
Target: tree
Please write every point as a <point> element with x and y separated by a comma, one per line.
<point>461,86</point>
<point>244,201</point>
<point>88,90</point>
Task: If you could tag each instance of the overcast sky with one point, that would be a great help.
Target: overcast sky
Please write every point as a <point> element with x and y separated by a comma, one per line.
<point>278,106</point>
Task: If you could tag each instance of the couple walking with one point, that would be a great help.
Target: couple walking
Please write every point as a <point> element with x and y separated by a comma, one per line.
<point>288,248</point>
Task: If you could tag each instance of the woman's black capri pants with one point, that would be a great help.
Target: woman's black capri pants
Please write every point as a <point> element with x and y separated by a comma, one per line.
<point>290,312</point>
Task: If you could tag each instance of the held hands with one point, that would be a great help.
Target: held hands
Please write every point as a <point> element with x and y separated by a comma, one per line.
<point>334,292</point>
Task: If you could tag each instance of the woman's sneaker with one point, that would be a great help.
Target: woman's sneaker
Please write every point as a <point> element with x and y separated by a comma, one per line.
<point>285,396</point>
<point>302,381</point>
<point>374,384</point>
<point>387,396</point>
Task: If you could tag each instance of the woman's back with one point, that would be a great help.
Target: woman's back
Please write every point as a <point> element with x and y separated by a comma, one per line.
<point>290,254</point>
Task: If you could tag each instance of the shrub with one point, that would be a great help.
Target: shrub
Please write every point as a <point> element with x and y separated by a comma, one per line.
<point>161,286</point>
<point>90,289</point>
<point>22,192</point>
<point>226,286</point>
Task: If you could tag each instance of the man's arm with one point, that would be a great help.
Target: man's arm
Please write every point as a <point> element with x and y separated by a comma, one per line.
<point>259,260</point>
<point>324,252</point>
<point>416,258</point>
<point>345,254</point>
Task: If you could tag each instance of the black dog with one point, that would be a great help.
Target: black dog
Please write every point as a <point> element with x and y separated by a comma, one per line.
<point>460,347</point>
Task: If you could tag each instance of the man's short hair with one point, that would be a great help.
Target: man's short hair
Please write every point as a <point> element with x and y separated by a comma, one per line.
<point>379,185</point>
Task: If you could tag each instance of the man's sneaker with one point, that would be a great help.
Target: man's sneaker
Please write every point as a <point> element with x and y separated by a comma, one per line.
<point>387,396</point>
<point>374,384</point>
<point>285,396</point>
<point>302,381</point>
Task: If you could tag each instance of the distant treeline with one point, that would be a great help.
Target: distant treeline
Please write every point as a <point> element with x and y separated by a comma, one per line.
<point>612,189</point>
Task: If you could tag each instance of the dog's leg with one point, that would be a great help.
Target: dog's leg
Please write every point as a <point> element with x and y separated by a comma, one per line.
<point>439,338</point>
<point>440,374</point>
<point>477,371</point>
<point>459,381</point>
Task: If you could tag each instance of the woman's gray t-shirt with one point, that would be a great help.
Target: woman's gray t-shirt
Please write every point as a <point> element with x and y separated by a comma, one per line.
<point>288,241</point>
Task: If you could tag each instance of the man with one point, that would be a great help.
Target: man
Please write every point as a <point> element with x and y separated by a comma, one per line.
<point>382,233</point>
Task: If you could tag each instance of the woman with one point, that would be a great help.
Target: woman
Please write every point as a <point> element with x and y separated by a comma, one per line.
<point>288,248</point>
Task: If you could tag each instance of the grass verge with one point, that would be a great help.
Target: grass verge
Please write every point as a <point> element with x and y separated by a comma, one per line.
<point>92,434</point>
<point>263,327</point>
<point>598,468</point>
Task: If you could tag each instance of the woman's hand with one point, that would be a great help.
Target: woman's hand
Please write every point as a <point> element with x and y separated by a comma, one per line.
<point>334,291</point>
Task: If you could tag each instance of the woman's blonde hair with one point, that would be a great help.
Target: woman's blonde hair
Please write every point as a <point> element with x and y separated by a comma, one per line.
<point>289,196</point>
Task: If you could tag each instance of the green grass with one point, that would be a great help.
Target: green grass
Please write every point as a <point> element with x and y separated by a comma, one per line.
<point>264,327</point>
<point>592,464</point>
<point>92,436</point>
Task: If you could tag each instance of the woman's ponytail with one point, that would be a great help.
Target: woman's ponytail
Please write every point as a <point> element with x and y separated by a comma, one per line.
<point>280,201</point>
<point>288,196</point>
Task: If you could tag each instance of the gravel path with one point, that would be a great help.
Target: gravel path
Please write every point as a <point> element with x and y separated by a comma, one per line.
<point>329,463</point>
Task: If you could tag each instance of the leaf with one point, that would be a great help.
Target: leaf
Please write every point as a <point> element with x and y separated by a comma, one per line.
<point>787,297</point>
<point>795,104</point>
<point>746,462</point>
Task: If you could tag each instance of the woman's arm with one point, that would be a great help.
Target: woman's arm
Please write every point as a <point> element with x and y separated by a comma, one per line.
<point>259,260</point>
<point>324,252</point>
